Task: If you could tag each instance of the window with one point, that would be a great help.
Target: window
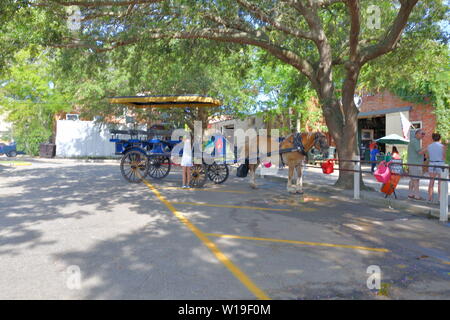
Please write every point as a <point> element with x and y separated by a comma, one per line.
<point>367,134</point>
<point>417,124</point>
<point>73,117</point>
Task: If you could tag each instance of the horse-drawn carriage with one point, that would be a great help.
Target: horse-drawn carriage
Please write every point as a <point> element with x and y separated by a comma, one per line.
<point>148,152</point>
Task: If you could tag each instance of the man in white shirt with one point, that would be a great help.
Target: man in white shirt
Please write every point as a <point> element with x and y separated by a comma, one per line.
<point>436,155</point>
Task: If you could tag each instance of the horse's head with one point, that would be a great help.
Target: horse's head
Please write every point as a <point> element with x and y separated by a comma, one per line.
<point>288,141</point>
<point>321,142</point>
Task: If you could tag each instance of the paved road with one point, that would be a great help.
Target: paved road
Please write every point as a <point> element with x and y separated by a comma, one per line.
<point>156,241</point>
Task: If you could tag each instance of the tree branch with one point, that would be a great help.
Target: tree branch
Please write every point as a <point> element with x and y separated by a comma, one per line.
<point>228,24</point>
<point>392,36</point>
<point>261,15</point>
<point>326,3</point>
<point>224,35</point>
<point>354,11</point>
<point>93,4</point>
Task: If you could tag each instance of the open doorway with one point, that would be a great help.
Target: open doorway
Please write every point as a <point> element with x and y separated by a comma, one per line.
<point>371,129</point>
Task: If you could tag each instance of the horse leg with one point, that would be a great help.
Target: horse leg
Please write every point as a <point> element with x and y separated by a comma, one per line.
<point>299,184</point>
<point>290,177</point>
<point>252,170</point>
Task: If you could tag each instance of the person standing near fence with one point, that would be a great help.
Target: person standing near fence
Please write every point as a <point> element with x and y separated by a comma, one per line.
<point>415,156</point>
<point>436,155</point>
<point>373,157</point>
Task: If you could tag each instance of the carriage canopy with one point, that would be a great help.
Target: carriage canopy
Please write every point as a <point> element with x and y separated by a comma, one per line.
<point>167,101</point>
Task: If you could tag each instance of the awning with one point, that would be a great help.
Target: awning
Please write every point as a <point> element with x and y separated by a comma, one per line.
<point>167,101</point>
<point>382,112</point>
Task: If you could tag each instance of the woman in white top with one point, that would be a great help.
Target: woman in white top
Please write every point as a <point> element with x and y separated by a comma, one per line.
<point>436,155</point>
<point>186,161</point>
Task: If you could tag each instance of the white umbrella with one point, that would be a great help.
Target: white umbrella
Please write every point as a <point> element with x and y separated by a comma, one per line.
<point>392,139</point>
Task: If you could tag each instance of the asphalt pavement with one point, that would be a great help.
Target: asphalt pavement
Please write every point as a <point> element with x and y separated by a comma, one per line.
<point>75,230</point>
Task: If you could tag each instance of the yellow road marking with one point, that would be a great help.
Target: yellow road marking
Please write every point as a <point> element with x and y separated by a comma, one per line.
<point>227,206</point>
<point>297,242</point>
<point>240,275</point>
<point>16,164</point>
<point>207,190</point>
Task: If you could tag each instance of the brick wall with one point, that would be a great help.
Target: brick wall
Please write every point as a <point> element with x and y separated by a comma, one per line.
<point>419,111</point>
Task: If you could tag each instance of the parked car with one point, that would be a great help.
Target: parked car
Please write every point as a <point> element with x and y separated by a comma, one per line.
<point>9,150</point>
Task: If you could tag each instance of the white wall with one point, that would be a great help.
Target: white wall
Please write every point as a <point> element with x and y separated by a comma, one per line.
<point>250,122</point>
<point>82,138</point>
<point>394,126</point>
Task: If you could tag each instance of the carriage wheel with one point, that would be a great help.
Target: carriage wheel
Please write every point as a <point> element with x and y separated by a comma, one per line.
<point>159,167</point>
<point>134,166</point>
<point>198,175</point>
<point>218,173</point>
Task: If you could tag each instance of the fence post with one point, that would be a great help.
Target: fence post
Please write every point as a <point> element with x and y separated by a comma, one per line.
<point>356,178</point>
<point>444,197</point>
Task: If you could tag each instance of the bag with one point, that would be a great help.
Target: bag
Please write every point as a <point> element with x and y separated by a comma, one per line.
<point>328,167</point>
<point>242,170</point>
<point>383,173</point>
<point>389,188</point>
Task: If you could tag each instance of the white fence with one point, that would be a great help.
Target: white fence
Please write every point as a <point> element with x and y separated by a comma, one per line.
<point>82,139</point>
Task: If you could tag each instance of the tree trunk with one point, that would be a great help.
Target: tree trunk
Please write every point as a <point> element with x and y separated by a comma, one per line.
<point>346,150</point>
<point>344,133</point>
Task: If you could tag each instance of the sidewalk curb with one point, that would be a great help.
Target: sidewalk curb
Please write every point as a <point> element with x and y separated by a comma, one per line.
<point>416,209</point>
<point>71,160</point>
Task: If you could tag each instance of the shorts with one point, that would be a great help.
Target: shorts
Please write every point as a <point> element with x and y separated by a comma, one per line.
<point>415,171</point>
<point>436,170</point>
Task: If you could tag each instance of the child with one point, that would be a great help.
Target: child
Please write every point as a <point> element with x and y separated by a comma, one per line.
<point>436,156</point>
<point>373,156</point>
<point>186,161</point>
<point>395,154</point>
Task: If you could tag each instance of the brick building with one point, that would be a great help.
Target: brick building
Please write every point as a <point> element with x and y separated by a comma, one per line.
<point>380,116</point>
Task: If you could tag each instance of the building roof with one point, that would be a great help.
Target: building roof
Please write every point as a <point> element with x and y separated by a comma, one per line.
<point>383,111</point>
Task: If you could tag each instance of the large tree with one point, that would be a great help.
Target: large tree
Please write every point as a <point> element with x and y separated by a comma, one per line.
<point>328,41</point>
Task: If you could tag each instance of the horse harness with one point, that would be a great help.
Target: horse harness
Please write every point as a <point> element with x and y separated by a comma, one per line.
<point>298,146</point>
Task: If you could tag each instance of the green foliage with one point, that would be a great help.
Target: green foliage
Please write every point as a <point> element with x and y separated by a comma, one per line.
<point>282,95</point>
<point>160,67</point>
<point>30,99</point>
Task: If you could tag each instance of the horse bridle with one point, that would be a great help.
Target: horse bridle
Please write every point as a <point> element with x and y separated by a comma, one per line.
<point>298,144</point>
